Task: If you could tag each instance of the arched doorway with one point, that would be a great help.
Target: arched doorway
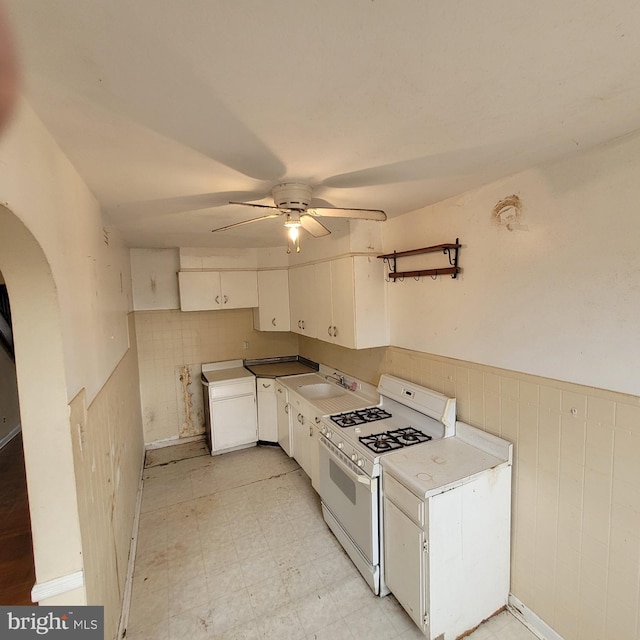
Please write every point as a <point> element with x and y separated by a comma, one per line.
<point>17,571</point>
<point>44,412</point>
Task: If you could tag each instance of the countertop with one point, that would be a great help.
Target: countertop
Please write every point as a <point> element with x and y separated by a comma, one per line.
<point>226,375</point>
<point>433,467</point>
<point>279,367</point>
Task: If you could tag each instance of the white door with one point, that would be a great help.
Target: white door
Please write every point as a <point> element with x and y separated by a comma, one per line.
<point>302,295</point>
<point>404,556</point>
<point>199,290</point>
<point>239,289</point>
<point>267,410</point>
<point>272,313</point>
<point>284,427</point>
<point>233,422</point>
<point>343,302</point>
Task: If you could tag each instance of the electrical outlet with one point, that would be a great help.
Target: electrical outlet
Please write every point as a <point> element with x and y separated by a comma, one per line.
<point>245,344</point>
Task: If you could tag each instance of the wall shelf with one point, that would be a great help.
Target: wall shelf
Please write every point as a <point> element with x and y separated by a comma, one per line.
<point>449,249</point>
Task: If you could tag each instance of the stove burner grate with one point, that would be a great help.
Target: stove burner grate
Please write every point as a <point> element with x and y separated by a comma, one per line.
<point>360,416</point>
<point>390,440</point>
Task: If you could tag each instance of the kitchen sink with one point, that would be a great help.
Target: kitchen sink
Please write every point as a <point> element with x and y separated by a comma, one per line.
<point>320,391</point>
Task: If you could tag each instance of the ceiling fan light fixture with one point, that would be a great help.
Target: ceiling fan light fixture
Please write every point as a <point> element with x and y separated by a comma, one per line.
<point>292,224</point>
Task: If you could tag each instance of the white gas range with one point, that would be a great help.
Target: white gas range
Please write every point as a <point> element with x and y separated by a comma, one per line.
<point>350,453</point>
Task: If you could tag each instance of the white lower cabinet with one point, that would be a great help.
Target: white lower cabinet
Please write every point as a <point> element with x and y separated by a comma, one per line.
<point>305,433</point>
<point>267,410</point>
<point>233,416</point>
<point>447,556</point>
<point>405,561</point>
<point>283,418</point>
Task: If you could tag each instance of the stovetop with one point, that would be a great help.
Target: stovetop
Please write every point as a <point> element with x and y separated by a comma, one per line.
<point>359,416</point>
<point>396,439</point>
<point>364,435</point>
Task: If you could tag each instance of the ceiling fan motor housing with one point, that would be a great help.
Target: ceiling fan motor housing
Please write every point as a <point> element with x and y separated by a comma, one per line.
<point>292,195</point>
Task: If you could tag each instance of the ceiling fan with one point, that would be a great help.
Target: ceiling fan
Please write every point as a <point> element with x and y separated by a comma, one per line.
<point>292,200</point>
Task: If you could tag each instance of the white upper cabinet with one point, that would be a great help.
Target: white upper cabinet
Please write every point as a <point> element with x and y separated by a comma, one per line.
<point>302,300</point>
<point>210,290</point>
<point>272,313</point>
<point>350,299</point>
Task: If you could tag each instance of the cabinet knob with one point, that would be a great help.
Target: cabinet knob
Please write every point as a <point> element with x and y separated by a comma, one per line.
<point>299,324</point>
<point>217,299</point>
<point>335,331</point>
<point>273,321</point>
<point>266,386</point>
<point>226,299</point>
<point>329,330</point>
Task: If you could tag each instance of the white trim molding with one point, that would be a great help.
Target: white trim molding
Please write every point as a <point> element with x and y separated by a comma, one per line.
<point>530,620</point>
<point>57,586</point>
<point>128,587</point>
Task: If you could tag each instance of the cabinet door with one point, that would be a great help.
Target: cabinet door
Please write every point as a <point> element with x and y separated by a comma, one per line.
<point>239,289</point>
<point>272,313</point>
<point>283,418</point>
<point>405,560</point>
<point>342,302</point>
<point>199,290</point>
<point>302,297</point>
<point>233,422</point>
<point>370,305</point>
<point>267,410</point>
<point>324,302</point>
<point>314,453</point>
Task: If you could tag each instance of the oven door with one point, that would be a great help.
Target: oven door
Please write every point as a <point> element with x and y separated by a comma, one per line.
<point>352,498</point>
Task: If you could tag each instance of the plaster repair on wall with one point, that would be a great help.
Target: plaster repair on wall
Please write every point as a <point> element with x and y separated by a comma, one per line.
<point>508,213</point>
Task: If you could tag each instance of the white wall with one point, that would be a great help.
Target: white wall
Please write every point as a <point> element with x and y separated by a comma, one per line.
<point>557,296</point>
<point>41,187</point>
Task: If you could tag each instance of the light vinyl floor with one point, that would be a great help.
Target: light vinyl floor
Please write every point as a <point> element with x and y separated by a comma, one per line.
<point>234,547</point>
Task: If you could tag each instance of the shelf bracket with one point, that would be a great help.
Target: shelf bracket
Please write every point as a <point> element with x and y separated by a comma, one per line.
<point>453,261</point>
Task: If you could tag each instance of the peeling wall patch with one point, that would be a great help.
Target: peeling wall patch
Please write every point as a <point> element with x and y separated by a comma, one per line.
<point>508,213</point>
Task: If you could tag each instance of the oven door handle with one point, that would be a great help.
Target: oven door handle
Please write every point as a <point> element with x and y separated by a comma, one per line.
<point>337,458</point>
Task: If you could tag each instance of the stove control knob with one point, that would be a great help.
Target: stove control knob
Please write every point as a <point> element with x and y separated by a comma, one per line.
<point>329,435</point>
<point>361,462</point>
<point>340,445</point>
<point>354,456</point>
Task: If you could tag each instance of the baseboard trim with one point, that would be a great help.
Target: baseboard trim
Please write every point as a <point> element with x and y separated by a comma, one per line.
<point>173,440</point>
<point>128,585</point>
<point>57,586</point>
<point>10,436</point>
<point>530,620</point>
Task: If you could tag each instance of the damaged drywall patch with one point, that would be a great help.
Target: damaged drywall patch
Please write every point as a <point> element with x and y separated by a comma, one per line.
<point>508,213</point>
<point>190,403</point>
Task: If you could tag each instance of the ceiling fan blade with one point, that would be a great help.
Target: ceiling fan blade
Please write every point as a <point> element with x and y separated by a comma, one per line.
<point>143,209</point>
<point>338,212</point>
<point>313,226</point>
<point>259,206</point>
<point>239,224</point>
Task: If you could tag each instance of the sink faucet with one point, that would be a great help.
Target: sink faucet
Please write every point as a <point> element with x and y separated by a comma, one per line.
<point>339,379</point>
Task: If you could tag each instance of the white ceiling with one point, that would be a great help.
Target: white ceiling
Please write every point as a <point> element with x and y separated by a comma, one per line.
<point>170,108</point>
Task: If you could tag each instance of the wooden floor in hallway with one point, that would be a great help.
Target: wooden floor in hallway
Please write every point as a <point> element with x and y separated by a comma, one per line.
<point>17,574</point>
